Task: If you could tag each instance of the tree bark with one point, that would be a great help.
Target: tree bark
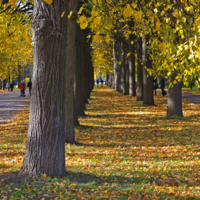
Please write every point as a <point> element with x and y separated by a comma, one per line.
<point>45,149</point>
<point>126,75</point>
<point>69,81</point>
<point>147,80</point>
<point>122,69</point>
<point>80,72</point>
<point>116,55</point>
<point>131,65</point>
<point>139,70</point>
<point>175,99</point>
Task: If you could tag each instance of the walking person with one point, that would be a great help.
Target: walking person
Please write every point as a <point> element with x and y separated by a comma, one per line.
<point>11,86</point>
<point>22,88</point>
<point>29,85</point>
<point>97,82</point>
<point>162,83</point>
<point>101,81</point>
<point>8,86</point>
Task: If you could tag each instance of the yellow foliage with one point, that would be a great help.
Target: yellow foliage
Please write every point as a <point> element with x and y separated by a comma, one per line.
<point>162,47</point>
<point>49,1</point>
<point>97,20</point>
<point>97,38</point>
<point>127,12</point>
<point>138,15</point>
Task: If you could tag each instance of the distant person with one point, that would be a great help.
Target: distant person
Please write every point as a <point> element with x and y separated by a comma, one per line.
<point>11,86</point>
<point>29,85</point>
<point>101,81</point>
<point>162,83</point>
<point>22,88</point>
<point>8,86</point>
<point>155,85</point>
<point>97,82</point>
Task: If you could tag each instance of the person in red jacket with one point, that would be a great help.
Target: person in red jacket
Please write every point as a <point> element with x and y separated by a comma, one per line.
<point>22,88</point>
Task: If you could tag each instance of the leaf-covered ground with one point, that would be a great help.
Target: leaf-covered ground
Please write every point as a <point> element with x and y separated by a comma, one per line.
<point>124,150</point>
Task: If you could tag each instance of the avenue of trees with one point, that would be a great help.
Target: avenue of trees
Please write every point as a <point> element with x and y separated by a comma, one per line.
<point>121,38</point>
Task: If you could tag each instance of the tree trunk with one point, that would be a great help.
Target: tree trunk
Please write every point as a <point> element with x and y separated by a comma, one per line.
<point>131,65</point>
<point>69,81</point>
<point>175,99</point>
<point>123,69</point>
<point>80,72</point>
<point>45,149</point>
<point>126,75</point>
<point>116,55</point>
<point>147,81</point>
<point>139,70</point>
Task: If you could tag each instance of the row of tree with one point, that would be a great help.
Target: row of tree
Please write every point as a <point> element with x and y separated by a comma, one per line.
<point>63,73</point>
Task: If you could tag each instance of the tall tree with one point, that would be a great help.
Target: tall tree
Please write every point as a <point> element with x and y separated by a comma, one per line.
<point>147,79</point>
<point>139,70</point>
<point>70,115</point>
<point>174,106</point>
<point>45,149</point>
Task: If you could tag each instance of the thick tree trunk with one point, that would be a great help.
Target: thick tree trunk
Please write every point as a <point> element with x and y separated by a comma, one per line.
<point>106,79</point>
<point>70,114</point>
<point>80,72</point>
<point>175,99</point>
<point>131,65</point>
<point>126,76</point>
<point>123,69</point>
<point>139,70</point>
<point>45,149</point>
<point>147,81</point>
<point>116,55</point>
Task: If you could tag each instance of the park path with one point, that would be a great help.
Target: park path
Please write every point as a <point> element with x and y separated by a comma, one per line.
<point>11,103</point>
<point>188,97</point>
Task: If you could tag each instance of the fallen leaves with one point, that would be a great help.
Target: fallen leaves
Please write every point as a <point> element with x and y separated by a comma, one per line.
<point>124,150</point>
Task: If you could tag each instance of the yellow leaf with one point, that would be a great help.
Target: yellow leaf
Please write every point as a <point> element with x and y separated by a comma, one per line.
<point>94,13</point>
<point>83,22</point>
<point>97,20</point>
<point>27,37</point>
<point>97,38</point>
<point>49,1</point>
<point>128,12</point>
<point>162,47</point>
<point>89,36</point>
<point>44,175</point>
<point>84,25</point>
<point>80,11</point>
<point>82,19</point>
<point>158,25</point>
<point>132,42</point>
<point>107,39</point>
<point>12,2</point>
<point>138,15</point>
<point>168,20</point>
<point>70,14</point>
<point>62,14</point>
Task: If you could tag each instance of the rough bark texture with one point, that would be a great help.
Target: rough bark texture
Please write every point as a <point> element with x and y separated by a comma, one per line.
<point>126,75</point>
<point>80,73</point>
<point>139,70</point>
<point>116,55</point>
<point>69,80</point>
<point>147,81</point>
<point>131,66</point>
<point>45,149</point>
<point>175,100</point>
<point>122,69</point>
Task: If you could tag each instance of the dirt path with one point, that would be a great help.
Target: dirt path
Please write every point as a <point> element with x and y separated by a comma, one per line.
<point>11,103</point>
